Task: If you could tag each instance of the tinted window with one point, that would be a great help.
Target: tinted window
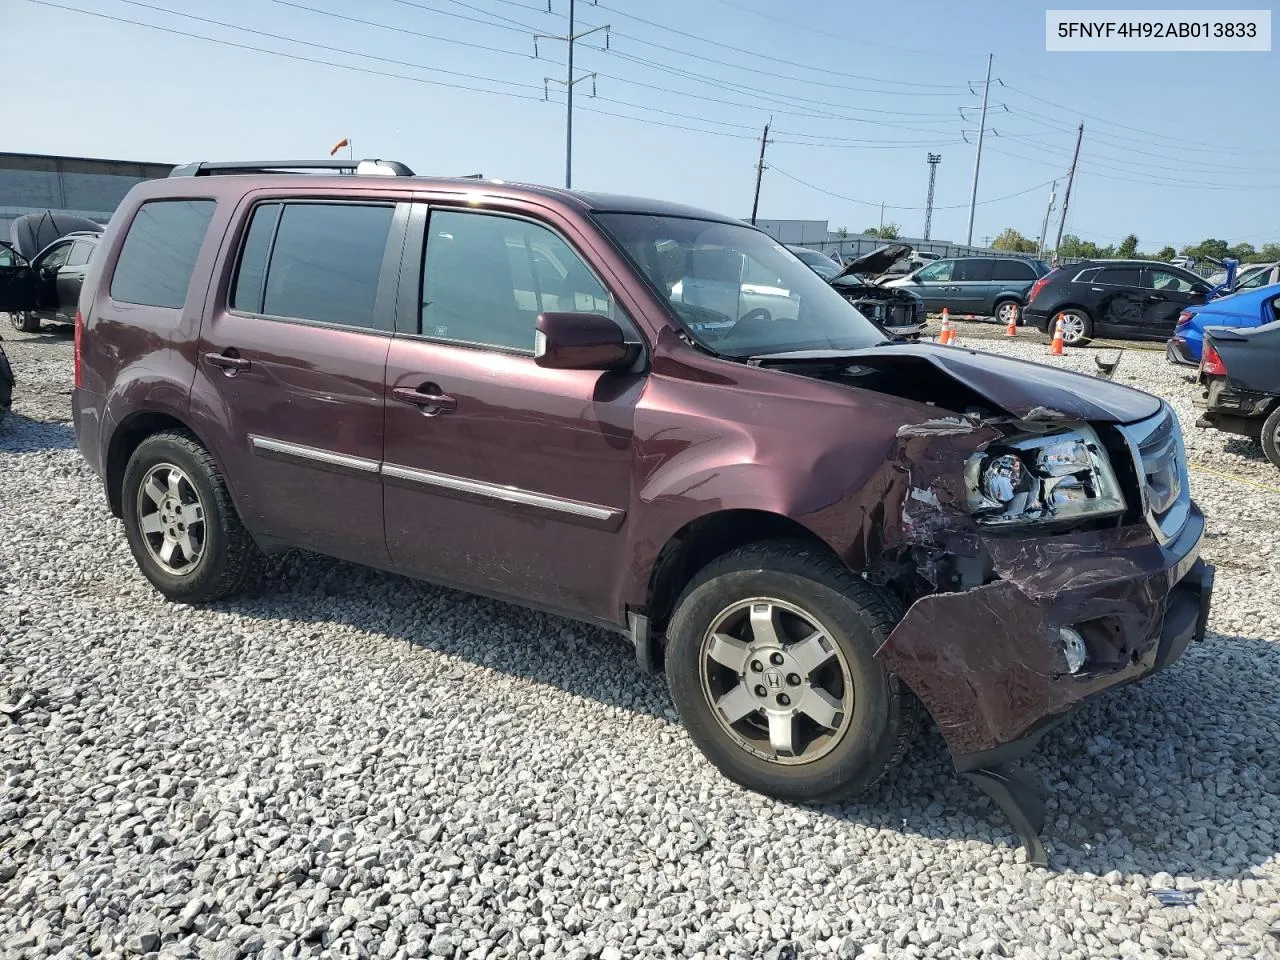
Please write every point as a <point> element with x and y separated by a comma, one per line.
<point>1120,276</point>
<point>936,272</point>
<point>252,271</point>
<point>55,257</point>
<point>1012,270</point>
<point>972,270</point>
<point>1168,280</point>
<point>159,252</point>
<point>487,278</point>
<point>1258,278</point>
<point>7,257</point>
<point>326,261</point>
<point>1088,276</point>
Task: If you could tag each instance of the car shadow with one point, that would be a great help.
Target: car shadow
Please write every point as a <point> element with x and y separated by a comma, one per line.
<point>49,333</point>
<point>1132,782</point>
<point>21,434</point>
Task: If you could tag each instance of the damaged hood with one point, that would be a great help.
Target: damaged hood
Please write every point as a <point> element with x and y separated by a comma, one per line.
<point>875,262</point>
<point>1028,391</point>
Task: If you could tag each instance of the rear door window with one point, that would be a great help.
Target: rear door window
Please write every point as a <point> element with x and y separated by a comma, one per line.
<point>1120,276</point>
<point>325,262</point>
<point>977,269</point>
<point>81,251</point>
<point>159,252</point>
<point>1012,270</point>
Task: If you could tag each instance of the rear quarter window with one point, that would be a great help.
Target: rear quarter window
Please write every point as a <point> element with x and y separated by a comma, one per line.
<point>1012,270</point>
<point>159,252</point>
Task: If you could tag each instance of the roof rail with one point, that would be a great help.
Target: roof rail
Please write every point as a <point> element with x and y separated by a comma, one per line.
<point>384,168</point>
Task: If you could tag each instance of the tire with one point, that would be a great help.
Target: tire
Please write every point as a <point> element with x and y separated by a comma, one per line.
<point>226,560</point>
<point>25,320</point>
<point>6,385</point>
<point>878,720</point>
<point>1077,333</point>
<point>1271,436</point>
<point>1001,311</point>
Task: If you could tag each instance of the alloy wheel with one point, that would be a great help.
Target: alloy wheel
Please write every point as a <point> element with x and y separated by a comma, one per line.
<point>1005,313</point>
<point>172,519</point>
<point>776,681</point>
<point>1072,327</point>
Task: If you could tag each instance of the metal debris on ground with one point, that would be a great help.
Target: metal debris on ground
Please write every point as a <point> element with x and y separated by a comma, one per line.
<point>1176,898</point>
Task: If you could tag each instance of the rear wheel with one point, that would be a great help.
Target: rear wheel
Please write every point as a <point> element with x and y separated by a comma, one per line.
<point>182,527</point>
<point>771,663</point>
<point>1271,436</point>
<point>1077,327</point>
<point>24,320</point>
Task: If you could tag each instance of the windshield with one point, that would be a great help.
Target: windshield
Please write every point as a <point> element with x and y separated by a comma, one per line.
<point>735,290</point>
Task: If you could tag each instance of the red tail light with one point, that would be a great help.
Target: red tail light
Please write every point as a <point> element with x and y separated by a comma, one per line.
<point>1211,362</point>
<point>1039,284</point>
<point>1183,319</point>
<point>79,337</point>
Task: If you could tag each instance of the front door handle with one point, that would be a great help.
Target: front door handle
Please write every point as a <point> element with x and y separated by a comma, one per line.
<point>230,363</point>
<point>428,398</point>
<point>1155,296</point>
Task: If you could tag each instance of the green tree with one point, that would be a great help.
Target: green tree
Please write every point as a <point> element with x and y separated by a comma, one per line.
<point>1128,248</point>
<point>842,233</point>
<point>889,231</point>
<point>1166,253</point>
<point>1243,252</point>
<point>1217,249</point>
<point>1013,241</point>
<point>1269,251</point>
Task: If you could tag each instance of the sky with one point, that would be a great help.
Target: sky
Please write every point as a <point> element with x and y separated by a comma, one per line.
<point>1177,147</point>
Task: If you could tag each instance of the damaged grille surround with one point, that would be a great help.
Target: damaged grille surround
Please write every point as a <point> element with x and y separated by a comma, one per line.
<point>1160,461</point>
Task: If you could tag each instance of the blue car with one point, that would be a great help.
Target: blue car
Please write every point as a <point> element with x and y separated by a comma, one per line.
<point>1246,308</point>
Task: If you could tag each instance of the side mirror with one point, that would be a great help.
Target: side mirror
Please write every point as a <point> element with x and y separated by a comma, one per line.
<point>580,341</point>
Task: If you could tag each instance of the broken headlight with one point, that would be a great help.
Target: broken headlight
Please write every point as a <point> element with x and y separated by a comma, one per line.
<point>1050,477</point>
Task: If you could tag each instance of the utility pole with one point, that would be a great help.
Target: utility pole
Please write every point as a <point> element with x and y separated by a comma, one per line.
<point>1044,227</point>
<point>934,160</point>
<point>569,82</point>
<point>977,160</point>
<point>1066,198</point>
<point>882,218</point>
<point>764,142</point>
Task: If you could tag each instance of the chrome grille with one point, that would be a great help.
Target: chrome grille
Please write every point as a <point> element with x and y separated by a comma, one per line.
<point>1161,465</point>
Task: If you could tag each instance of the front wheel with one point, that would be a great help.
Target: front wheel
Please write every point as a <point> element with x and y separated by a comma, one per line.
<point>182,527</point>
<point>1271,436</point>
<point>1077,327</point>
<point>771,664</point>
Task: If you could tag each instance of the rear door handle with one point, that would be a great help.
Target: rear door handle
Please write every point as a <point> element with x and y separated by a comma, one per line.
<point>428,398</point>
<point>230,363</point>
<point>1155,296</point>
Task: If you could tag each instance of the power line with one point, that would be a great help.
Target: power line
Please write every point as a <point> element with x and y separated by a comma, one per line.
<point>829,33</point>
<point>893,206</point>
<point>279,53</point>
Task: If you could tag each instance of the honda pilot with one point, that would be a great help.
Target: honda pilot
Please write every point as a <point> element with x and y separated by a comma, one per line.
<point>559,399</point>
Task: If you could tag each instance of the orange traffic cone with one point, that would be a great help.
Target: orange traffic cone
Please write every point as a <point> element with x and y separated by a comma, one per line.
<point>1055,348</point>
<point>1012,329</point>
<point>945,336</point>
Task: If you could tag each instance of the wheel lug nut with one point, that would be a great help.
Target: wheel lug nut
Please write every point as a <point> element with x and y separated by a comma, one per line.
<point>761,691</point>
<point>784,700</point>
<point>757,666</point>
<point>793,679</point>
<point>776,659</point>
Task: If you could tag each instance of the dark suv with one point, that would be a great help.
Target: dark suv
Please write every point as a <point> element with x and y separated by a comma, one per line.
<point>558,399</point>
<point>47,288</point>
<point>1129,299</point>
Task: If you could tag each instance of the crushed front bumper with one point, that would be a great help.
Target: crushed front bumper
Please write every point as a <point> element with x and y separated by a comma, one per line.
<point>988,662</point>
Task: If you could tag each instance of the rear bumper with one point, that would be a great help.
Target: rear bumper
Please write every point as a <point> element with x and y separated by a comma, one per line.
<point>1178,351</point>
<point>988,662</point>
<point>86,414</point>
<point>1032,317</point>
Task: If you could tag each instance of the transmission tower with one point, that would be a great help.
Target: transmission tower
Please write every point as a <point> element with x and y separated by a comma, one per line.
<point>934,160</point>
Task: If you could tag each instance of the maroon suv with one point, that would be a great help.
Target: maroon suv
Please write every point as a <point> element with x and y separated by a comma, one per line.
<point>651,418</point>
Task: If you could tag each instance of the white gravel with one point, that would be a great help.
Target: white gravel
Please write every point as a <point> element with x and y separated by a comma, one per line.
<point>349,764</point>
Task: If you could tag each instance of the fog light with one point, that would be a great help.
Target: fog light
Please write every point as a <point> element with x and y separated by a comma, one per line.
<point>1073,649</point>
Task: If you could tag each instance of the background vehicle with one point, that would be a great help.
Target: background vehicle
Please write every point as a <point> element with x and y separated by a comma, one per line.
<point>986,286</point>
<point>1241,374</point>
<point>570,401</point>
<point>1127,299</point>
<point>1246,308</point>
<point>899,311</point>
<point>45,284</point>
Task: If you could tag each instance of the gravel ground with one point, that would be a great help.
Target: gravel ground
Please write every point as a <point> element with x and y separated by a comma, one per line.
<point>350,764</point>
